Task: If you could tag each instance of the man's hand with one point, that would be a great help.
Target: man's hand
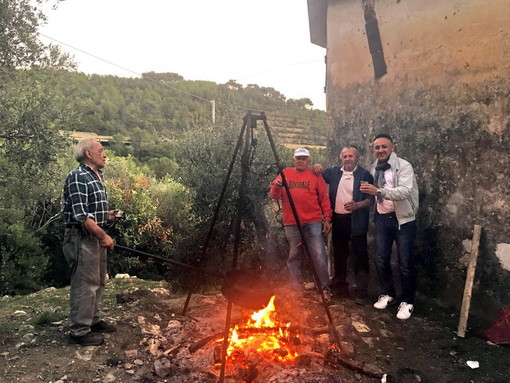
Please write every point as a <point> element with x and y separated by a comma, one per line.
<point>350,206</point>
<point>368,189</point>
<point>115,215</point>
<point>278,182</point>
<point>104,239</point>
<point>107,242</point>
<point>326,227</point>
<point>112,215</point>
<point>318,169</point>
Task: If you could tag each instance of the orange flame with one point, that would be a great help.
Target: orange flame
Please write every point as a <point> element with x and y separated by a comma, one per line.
<point>263,336</point>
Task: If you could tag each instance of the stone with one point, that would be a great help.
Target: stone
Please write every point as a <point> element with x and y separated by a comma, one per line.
<point>454,201</point>
<point>160,290</point>
<point>174,324</point>
<point>154,346</point>
<point>122,276</point>
<point>131,353</point>
<point>368,341</point>
<point>324,342</point>
<point>162,367</point>
<point>503,254</point>
<point>109,378</point>
<point>86,353</point>
<point>466,244</point>
<point>309,286</point>
<point>347,348</point>
<point>360,326</point>
<point>385,333</point>
<point>209,301</point>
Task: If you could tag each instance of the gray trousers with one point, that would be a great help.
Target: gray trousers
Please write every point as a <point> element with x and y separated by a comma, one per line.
<point>87,260</point>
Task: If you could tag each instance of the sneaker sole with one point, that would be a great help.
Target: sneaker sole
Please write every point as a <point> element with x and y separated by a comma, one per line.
<point>85,344</point>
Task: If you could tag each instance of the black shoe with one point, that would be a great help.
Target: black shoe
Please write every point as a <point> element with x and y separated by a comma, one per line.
<point>103,327</point>
<point>362,301</point>
<point>361,297</point>
<point>341,293</point>
<point>89,339</point>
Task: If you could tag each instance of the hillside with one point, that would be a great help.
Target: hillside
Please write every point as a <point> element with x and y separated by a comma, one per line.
<point>163,105</point>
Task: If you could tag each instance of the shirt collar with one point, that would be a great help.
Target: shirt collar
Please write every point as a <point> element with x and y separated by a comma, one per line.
<point>347,173</point>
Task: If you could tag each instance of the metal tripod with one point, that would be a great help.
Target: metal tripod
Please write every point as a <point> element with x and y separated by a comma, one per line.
<point>249,123</point>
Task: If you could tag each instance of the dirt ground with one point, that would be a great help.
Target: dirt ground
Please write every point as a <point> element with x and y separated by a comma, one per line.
<point>151,331</point>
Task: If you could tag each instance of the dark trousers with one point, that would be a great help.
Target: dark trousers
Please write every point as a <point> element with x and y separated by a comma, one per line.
<point>342,238</point>
<point>388,231</point>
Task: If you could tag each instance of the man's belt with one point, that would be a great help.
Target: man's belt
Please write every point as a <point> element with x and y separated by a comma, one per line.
<point>79,226</point>
<point>388,215</point>
<point>71,225</point>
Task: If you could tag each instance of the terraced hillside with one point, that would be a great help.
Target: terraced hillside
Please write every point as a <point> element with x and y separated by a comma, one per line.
<point>294,131</point>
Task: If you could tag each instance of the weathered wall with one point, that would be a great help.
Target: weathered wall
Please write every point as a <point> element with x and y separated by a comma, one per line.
<point>446,100</point>
<point>421,40</point>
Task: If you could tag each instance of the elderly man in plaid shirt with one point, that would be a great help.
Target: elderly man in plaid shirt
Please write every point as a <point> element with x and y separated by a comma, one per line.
<point>86,243</point>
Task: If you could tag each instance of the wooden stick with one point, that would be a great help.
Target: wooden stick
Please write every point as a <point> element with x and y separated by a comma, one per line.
<point>335,358</point>
<point>466,301</point>
<point>202,342</point>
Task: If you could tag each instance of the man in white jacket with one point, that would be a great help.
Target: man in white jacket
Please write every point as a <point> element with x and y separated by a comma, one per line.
<point>395,221</point>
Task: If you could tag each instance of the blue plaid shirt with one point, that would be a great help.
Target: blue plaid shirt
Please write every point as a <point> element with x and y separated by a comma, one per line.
<point>85,197</point>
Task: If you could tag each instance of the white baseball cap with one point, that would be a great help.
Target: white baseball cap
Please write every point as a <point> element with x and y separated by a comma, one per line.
<point>301,152</point>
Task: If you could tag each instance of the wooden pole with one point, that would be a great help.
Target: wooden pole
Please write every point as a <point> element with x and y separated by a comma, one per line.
<point>466,301</point>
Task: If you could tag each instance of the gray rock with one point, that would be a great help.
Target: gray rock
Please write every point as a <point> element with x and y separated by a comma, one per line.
<point>162,367</point>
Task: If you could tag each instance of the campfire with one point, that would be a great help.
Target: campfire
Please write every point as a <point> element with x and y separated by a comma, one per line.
<point>263,336</point>
<point>285,342</point>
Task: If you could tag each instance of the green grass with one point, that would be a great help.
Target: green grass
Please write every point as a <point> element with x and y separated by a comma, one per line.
<point>52,305</point>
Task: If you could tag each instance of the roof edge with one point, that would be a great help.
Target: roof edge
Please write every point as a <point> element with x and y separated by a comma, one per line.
<point>317,19</point>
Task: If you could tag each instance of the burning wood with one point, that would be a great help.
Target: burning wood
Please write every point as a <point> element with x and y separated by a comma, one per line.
<point>267,345</point>
<point>264,336</point>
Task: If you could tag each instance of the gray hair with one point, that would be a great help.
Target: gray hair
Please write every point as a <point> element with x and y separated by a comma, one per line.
<point>82,146</point>
<point>350,147</point>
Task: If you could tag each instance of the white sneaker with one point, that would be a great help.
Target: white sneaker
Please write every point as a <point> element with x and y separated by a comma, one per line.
<point>383,301</point>
<point>405,310</point>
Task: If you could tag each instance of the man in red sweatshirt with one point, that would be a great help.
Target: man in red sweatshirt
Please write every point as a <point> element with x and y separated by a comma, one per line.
<point>310,196</point>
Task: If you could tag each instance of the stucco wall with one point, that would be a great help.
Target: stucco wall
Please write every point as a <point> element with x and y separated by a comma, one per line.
<point>445,99</point>
<point>421,40</point>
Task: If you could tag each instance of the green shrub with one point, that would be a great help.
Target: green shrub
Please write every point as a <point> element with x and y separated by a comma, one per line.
<point>22,258</point>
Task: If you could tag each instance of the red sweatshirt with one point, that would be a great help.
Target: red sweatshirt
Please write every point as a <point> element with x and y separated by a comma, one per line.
<point>309,193</point>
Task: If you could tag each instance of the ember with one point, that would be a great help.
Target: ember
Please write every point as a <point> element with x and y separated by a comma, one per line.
<point>263,336</point>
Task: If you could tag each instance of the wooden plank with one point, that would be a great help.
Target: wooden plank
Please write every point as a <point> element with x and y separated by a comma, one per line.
<point>466,301</point>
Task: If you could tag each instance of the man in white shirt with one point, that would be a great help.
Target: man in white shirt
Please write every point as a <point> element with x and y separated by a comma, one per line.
<point>349,222</point>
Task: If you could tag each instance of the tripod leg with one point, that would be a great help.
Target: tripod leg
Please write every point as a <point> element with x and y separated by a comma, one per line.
<point>216,211</point>
<point>237,238</point>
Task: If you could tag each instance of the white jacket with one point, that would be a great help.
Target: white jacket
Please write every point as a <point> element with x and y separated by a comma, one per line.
<point>404,193</point>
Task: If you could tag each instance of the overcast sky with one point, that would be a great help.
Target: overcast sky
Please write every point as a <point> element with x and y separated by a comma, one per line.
<point>266,42</point>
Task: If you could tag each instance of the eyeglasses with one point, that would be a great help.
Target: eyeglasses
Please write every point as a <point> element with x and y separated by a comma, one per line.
<point>377,147</point>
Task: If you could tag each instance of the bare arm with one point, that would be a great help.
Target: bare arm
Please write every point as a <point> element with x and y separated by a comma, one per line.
<point>104,239</point>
